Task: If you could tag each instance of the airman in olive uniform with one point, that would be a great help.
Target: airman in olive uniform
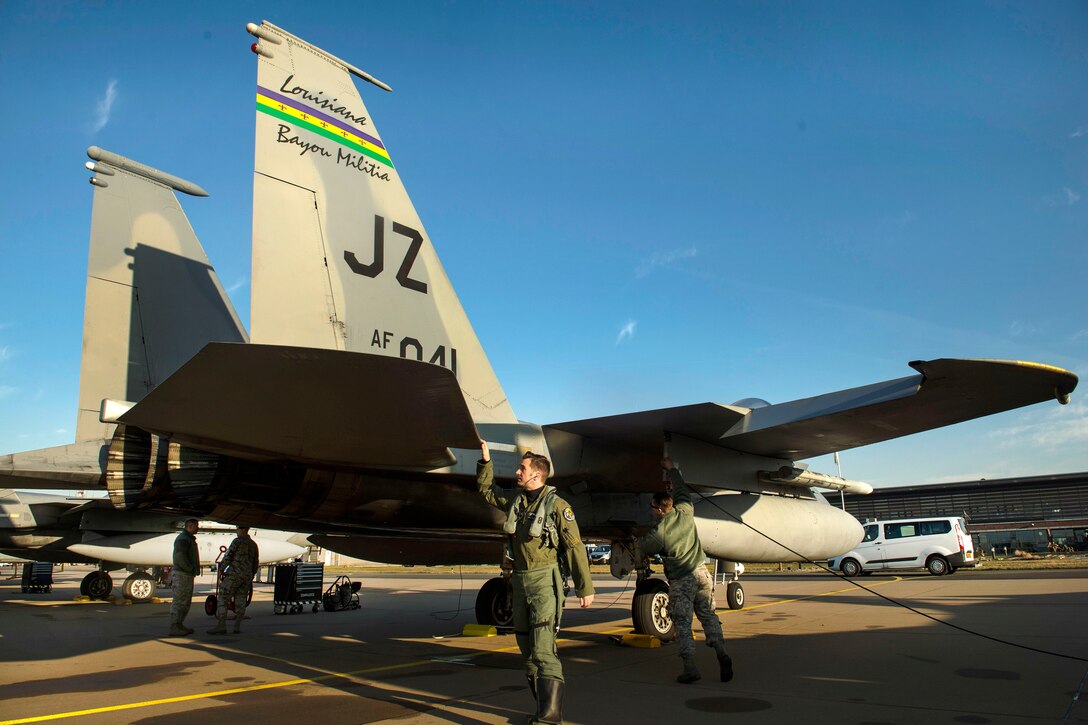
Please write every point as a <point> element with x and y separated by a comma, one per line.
<point>186,567</point>
<point>238,565</point>
<point>541,530</point>
<point>690,587</point>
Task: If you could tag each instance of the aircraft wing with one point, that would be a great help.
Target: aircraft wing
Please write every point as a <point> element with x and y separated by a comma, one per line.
<point>946,391</point>
<point>701,421</point>
<point>274,402</point>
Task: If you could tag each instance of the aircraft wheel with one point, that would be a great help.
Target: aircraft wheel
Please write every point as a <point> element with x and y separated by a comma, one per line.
<point>850,567</point>
<point>734,594</point>
<point>937,565</point>
<point>495,603</point>
<point>139,587</point>
<point>650,609</point>
<point>211,604</point>
<point>99,584</point>
<point>84,586</point>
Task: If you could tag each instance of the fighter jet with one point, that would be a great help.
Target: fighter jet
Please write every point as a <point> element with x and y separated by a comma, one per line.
<point>356,407</point>
<point>39,526</point>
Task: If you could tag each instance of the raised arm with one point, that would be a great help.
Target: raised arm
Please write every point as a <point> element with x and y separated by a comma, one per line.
<point>681,494</point>
<point>485,480</point>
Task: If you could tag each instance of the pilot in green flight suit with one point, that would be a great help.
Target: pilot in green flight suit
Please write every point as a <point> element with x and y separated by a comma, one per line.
<point>541,528</point>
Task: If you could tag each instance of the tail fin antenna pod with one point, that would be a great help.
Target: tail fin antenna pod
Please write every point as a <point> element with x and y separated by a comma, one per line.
<point>341,259</point>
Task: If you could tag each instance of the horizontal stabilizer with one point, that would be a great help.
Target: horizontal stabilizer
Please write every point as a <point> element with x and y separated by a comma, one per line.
<point>273,402</point>
<point>946,392</point>
<point>73,466</point>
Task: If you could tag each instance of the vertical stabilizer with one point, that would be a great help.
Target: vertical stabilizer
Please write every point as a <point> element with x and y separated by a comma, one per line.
<point>340,258</point>
<point>153,300</point>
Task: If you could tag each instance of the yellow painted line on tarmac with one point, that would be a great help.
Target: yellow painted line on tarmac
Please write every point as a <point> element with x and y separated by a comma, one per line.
<point>370,670</point>
<point>219,693</point>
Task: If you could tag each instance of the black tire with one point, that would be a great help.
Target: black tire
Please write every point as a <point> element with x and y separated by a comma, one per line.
<point>139,587</point>
<point>211,604</point>
<point>650,609</point>
<point>83,585</point>
<point>734,595</point>
<point>495,603</point>
<point>937,565</point>
<point>99,585</point>
<point>850,567</point>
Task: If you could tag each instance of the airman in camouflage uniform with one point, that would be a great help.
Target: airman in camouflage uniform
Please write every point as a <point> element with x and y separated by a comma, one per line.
<point>186,566</point>
<point>541,528</point>
<point>690,588</point>
<point>238,566</point>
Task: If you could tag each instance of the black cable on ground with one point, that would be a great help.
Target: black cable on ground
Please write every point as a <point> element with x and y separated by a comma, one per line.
<point>888,599</point>
<point>460,592</point>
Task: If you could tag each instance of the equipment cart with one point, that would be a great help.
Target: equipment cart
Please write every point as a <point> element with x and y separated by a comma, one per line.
<point>297,586</point>
<point>37,577</point>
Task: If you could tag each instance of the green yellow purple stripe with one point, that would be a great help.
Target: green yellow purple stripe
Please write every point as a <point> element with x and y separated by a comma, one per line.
<point>323,128</point>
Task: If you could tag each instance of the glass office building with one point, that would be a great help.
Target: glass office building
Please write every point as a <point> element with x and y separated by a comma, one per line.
<point>1036,514</point>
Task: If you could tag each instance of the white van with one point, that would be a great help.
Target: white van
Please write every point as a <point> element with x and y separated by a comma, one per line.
<point>940,545</point>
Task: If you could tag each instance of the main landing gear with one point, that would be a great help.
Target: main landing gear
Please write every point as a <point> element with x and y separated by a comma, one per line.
<point>649,605</point>
<point>96,585</point>
<point>139,587</point>
<point>495,603</point>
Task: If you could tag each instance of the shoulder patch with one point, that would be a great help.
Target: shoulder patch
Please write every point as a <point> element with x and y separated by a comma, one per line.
<point>568,514</point>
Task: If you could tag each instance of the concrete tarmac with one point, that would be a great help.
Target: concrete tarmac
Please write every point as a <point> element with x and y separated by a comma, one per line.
<point>807,649</point>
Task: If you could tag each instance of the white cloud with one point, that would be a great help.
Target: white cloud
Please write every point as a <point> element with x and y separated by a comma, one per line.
<point>1079,335</point>
<point>238,285</point>
<point>1064,427</point>
<point>1081,131</point>
<point>104,105</point>
<point>663,259</point>
<point>1017,329</point>
<point>627,331</point>
<point>907,217</point>
<point>60,431</point>
<point>1071,197</point>
<point>5,353</point>
<point>6,390</point>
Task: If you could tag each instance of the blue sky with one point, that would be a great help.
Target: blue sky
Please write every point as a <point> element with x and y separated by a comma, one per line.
<point>720,201</point>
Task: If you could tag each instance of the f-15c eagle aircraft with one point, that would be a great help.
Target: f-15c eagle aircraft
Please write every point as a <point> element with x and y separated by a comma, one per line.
<point>47,527</point>
<point>356,406</point>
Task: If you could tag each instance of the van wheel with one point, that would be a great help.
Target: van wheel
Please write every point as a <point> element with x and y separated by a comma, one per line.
<point>937,565</point>
<point>850,567</point>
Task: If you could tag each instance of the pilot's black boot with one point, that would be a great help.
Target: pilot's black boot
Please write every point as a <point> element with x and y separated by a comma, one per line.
<point>549,707</point>
<point>690,673</point>
<point>725,662</point>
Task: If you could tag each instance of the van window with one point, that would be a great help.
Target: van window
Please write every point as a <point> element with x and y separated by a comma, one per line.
<point>935,527</point>
<point>900,531</point>
<point>872,531</point>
